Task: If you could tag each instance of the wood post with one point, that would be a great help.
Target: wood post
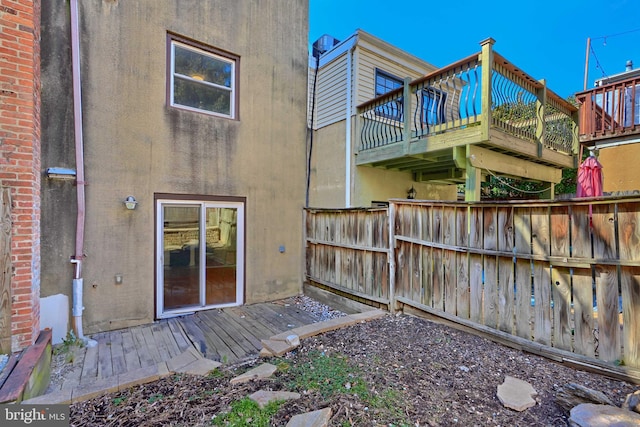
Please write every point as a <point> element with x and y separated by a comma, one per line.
<point>486,60</point>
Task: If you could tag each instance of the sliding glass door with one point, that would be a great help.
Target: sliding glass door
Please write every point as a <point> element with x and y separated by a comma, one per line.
<point>200,256</point>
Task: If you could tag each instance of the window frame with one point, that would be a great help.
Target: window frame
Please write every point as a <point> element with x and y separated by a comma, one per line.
<point>388,76</point>
<point>393,110</point>
<point>209,51</point>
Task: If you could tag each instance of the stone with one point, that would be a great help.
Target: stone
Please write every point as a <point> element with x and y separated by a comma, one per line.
<point>592,415</point>
<point>572,395</point>
<point>319,418</point>
<point>293,339</point>
<point>516,394</point>
<point>632,402</point>
<point>277,348</point>
<point>260,372</point>
<point>199,367</point>
<point>264,353</point>
<point>263,397</point>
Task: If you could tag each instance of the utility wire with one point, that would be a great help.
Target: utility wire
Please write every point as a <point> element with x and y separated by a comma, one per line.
<point>517,189</point>
<point>598,65</point>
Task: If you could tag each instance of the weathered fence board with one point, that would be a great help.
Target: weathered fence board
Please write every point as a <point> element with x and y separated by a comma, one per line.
<point>584,326</point>
<point>5,271</point>
<point>564,276</point>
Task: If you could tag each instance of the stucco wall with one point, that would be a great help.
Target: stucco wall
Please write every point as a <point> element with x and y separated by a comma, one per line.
<point>620,167</point>
<point>328,174</point>
<point>328,178</point>
<point>373,184</point>
<point>136,145</point>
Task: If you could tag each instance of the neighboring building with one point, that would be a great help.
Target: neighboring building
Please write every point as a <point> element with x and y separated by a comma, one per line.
<point>20,173</point>
<point>610,125</point>
<point>386,122</point>
<point>351,72</point>
<point>196,111</point>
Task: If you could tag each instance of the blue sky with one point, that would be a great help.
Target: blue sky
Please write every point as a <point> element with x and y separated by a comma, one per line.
<point>547,39</point>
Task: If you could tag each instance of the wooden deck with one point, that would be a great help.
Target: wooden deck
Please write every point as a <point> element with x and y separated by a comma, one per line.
<point>226,335</point>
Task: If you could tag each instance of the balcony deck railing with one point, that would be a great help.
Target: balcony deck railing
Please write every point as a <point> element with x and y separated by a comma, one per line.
<point>469,93</point>
<point>610,111</point>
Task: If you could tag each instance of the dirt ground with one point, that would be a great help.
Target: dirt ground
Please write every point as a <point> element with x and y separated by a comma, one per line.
<point>417,372</point>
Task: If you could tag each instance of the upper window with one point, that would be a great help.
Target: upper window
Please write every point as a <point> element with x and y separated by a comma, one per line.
<point>202,79</point>
<point>385,82</point>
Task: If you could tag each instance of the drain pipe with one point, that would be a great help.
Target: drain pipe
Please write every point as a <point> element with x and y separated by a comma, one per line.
<point>77,259</point>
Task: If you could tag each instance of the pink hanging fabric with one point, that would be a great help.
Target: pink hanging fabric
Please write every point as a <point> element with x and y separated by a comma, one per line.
<point>590,178</point>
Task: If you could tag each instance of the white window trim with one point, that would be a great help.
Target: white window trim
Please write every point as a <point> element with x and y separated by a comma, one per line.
<point>172,74</point>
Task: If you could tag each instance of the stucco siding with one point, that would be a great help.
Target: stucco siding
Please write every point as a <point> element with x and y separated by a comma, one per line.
<point>619,167</point>
<point>135,144</point>
<point>328,174</point>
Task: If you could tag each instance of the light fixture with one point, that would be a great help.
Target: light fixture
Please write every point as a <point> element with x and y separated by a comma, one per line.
<point>130,202</point>
<point>411,194</point>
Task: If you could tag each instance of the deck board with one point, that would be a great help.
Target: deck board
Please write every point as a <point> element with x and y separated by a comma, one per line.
<point>227,332</point>
<point>226,335</point>
<point>117,353</point>
<point>132,360</point>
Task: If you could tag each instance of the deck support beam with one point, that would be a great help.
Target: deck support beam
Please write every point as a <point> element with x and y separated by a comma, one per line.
<point>472,174</point>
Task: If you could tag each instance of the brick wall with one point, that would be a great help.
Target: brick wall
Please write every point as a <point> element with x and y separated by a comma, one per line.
<point>20,158</point>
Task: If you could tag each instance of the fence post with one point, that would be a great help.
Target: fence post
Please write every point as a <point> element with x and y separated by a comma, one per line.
<point>541,104</point>
<point>406,114</point>
<point>485,102</point>
<point>391,257</point>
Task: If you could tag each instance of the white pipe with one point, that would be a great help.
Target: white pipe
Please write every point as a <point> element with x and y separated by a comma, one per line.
<point>348,148</point>
<point>80,182</point>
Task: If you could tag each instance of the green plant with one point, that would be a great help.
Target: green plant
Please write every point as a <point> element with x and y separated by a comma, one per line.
<point>330,375</point>
<point>246,412</point>
<point>215,373</point>
<point>155,397</point>
<point>119,400</point>
<point>68,346</point>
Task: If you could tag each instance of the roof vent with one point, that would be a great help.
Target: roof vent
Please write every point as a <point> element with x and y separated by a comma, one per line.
<point>629,65</point>
<point>324,44</point>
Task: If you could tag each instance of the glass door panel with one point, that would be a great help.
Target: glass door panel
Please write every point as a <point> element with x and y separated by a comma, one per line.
<point>200,258</point>
<point>181,256</point>
<point>221,274</point>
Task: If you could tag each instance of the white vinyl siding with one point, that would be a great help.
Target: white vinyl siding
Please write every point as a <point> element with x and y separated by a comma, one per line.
<point>331,92</point>
<point>368,62</point>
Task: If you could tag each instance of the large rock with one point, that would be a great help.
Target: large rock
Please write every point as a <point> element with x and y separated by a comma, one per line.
<point>572,395</point>
<point>258,373</point>
<point>592,415</point>
<point>632,402</point>
<point>319,418</point>
<point>516,394</point>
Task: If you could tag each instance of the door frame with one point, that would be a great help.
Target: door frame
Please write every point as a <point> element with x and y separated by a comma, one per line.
<point>239,203</point>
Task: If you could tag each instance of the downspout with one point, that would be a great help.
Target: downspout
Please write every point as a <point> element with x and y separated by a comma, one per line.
<point>80,182</point>
<point>348,148</point>
<point>316,55</point>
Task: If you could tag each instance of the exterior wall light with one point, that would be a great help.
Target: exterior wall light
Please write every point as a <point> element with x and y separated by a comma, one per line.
<point>411,194</point>
<point>130,202</point>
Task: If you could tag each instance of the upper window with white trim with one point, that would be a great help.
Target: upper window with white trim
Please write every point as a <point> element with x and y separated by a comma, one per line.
<point>202,79</point>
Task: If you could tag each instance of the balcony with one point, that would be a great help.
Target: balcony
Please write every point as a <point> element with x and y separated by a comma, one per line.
<point>478,116</point>
<point>610,113</point>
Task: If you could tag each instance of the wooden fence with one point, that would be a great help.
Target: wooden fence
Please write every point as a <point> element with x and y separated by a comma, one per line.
<point>5,271</point>
<point>557,278</point>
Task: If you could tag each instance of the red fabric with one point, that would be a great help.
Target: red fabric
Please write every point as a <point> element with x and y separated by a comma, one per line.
<point>589,178</point>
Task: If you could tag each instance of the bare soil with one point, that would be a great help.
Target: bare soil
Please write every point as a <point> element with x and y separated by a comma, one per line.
<point>438,376</point>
